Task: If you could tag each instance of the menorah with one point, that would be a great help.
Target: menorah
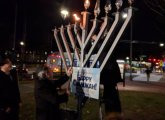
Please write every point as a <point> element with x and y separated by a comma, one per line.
<point>79,42</point>
<point>78,36</point>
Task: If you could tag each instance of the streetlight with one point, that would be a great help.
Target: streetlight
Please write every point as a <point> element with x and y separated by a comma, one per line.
<point>22,43</point>
<point>127,58</point>
<point>124,15</point>
<point>161,44</point>
<point>64,13</point>
<point>131,47</point>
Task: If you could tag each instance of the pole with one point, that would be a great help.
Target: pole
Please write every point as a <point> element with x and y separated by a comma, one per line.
<point>131,41</point>
<point>15,27</point>
<point>61,66</point>
<point>131,47</point>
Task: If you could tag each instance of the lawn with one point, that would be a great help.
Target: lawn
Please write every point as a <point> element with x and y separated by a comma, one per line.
<point>135,105</point>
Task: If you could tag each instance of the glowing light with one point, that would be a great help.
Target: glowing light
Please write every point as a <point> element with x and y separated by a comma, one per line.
<point>76,17</point>
<point>53,60</point>
<point>64,13</point>
<point>52,55</point>
<point>127,58</point>
<point>22,43</point>
<point>56,70</point>
<point>161,44</point>
<point>124,15</point>
<point>86,4</point>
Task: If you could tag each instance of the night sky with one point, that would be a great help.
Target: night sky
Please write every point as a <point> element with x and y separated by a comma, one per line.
<point>35,20</point>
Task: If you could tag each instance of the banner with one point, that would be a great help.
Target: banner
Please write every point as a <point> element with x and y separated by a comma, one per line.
<point>86,81</point>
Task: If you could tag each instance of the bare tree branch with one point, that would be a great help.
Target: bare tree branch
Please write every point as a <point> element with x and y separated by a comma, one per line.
<point>156,6</point>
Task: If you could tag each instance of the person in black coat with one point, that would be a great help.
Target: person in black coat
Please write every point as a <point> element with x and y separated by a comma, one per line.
<point>46,95</point>
<point>9,91</point>
<point>110,76</point>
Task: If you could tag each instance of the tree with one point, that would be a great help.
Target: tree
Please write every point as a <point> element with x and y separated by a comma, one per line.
<point>158,8</point>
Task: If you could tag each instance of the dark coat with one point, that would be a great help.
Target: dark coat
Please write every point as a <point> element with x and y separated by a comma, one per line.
<point>112,72</point>
<point>47,98</point>
<point>110,76</point>
<point>9,95</point>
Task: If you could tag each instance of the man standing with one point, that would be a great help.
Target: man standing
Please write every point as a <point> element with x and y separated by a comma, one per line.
<point>148,72</point>
<point>9,91</point>
<point>46,94</point>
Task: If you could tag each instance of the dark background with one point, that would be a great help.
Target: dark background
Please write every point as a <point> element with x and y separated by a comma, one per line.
<point>35,20</point>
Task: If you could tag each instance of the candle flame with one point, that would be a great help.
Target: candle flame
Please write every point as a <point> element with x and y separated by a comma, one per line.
<point>76,17</point>
<point>87,4</point>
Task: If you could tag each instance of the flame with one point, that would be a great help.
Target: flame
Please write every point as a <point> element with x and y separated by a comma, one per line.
<point>86,1</point>
<point>76,17</point>
<point>87,4</point>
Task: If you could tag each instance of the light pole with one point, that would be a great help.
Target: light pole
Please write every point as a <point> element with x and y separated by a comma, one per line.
<point>22,44</point>
<point>124,15</point>
<point>131,47</point>
<point>131,39</point>
<point>15,27</point>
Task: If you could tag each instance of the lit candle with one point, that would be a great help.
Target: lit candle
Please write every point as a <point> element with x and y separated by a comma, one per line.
<point>87,4</point>
<point>76,17</point>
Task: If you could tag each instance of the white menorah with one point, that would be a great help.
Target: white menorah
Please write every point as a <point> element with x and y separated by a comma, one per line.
<point>80,38</point>
<point>81,41</point>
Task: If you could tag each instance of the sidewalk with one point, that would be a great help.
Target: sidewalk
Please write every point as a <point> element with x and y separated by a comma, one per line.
<point>139,83</point>
<point>143,77</point>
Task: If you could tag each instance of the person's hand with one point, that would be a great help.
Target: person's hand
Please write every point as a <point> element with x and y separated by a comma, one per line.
<point>69,71</point>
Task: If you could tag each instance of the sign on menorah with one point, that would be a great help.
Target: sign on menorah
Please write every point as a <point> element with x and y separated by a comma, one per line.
<point>78,36</point>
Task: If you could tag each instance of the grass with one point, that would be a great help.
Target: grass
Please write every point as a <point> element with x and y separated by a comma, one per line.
<point>143,106</point>
<point>27,110</point>
<point>135,105</point>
